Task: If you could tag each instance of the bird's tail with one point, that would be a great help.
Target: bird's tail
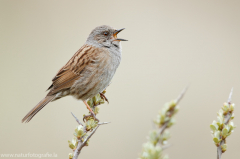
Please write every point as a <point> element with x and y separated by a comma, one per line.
<point>37,108</point>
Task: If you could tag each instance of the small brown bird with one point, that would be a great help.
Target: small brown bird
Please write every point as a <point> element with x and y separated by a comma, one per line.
<point>88,72</point>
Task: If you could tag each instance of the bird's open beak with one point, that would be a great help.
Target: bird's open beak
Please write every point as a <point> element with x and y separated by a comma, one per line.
<point>115,35</point>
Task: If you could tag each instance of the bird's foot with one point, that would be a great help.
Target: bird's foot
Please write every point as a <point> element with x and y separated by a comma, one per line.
<point>91,116</point>
<point>103,97</point>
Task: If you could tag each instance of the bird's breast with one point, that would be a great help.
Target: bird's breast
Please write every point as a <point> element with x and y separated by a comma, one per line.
<point>97,75</point>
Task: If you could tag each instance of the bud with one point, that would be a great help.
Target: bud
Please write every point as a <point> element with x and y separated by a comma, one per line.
<point>171,122</point>
<point>214,126</point>
<point>165,136</point>
<point>96,110</point>
<point>172,104</point>
<point>71,145</point>
<point>153,137</point>
<point>91,124</point>
<point>90,102</point>
<point>70,155</point>
<point>79,132</point>
<point>101,101</point>
<point>225,132</point>
<point>75,141</point>
<point>225,108</point>
<point>176,110</point>
<point>232,106</point>
<point>224,147</point>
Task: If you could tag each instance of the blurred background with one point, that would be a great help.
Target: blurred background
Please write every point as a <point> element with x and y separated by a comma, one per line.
<point>171,44</point>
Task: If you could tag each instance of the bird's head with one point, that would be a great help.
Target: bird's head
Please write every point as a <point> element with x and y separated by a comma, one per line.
<point>105,36</point>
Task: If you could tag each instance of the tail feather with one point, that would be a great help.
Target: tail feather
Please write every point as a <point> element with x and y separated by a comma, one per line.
<point>37,108</point>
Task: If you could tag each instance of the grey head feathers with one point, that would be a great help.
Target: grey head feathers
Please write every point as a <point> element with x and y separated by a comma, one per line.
<point>103,36</point>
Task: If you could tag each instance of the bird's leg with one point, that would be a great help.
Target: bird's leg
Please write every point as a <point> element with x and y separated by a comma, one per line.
<point>92,113</point>
<point>103,97</point>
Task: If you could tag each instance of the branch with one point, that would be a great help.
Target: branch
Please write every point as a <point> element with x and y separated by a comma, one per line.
<point>76,119</point>
<point>230,96</point>
<point>180,96</point>
<point>103,123</point>
<point>82,144</point>
<point>81,132</point>
<point>227,118</point>
<point>157,138</point>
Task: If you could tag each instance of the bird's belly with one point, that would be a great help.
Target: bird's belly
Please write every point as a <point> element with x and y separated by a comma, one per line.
<point>92,82</point>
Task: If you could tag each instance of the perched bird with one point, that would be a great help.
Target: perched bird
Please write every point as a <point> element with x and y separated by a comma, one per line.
<point>88,72</point>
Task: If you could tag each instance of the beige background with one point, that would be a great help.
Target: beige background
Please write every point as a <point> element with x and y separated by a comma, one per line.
<point>171,43</point>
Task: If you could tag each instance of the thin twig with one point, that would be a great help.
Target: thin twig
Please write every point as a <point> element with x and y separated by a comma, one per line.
<point>76,119</point>
<point>85,141</point>
<point>82,144</point>
<point>103,123</point>
<point>161,130</point>
<point>226,121</point>
<point>180,96</point>
<point>230,96</point>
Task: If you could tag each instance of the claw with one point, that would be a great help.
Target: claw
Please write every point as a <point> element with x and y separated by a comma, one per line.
<point>104,97</point>
<point>90,110</point>
<point>92,115</point>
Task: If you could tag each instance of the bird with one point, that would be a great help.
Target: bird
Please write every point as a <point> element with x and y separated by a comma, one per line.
<point>88,72</point>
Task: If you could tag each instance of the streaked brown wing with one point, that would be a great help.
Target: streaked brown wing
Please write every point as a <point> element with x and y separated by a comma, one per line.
<point>71,72</point>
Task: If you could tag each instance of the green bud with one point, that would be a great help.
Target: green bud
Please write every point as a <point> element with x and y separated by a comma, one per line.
<point>226,105</point>
<point>165,136</point>
<point>104,92</point>
<point>220,112</point>
<point>225,108</point>
<point>224,147</point>
<point>153,137</point>
<point>91,124</point>
<point>75,141</point>
<point>71,145</point>
<point>217,134</point>
<point>216,137</point>
<point>176,110</point>
<point>231,126</point>
<point>220,119</point>
<point>79,132</point>
<point>90,102</point>
<point>70,155</point>
<point>214,126</point>
<point>171,122</point>
<point>96,110</point>
<point>216,140</point>
<point>94,99</point>
<point>101,101</point>
<point>164,109</point>
<point>232,106</point>
<point>151,152</point>
<point>162,118</point>
<point>172,104</point>
<point>225,132</point>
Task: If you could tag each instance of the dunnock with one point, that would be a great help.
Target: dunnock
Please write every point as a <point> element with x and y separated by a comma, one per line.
<point>88,72</point>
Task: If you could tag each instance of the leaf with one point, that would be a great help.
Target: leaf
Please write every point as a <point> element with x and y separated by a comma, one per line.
<point>225,132</point>
<point>216,140</point>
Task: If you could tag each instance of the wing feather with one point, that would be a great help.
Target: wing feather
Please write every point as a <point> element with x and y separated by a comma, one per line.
<point>71,72</point>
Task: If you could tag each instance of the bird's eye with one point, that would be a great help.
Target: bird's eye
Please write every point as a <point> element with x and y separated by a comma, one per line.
<point>105,33</point>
